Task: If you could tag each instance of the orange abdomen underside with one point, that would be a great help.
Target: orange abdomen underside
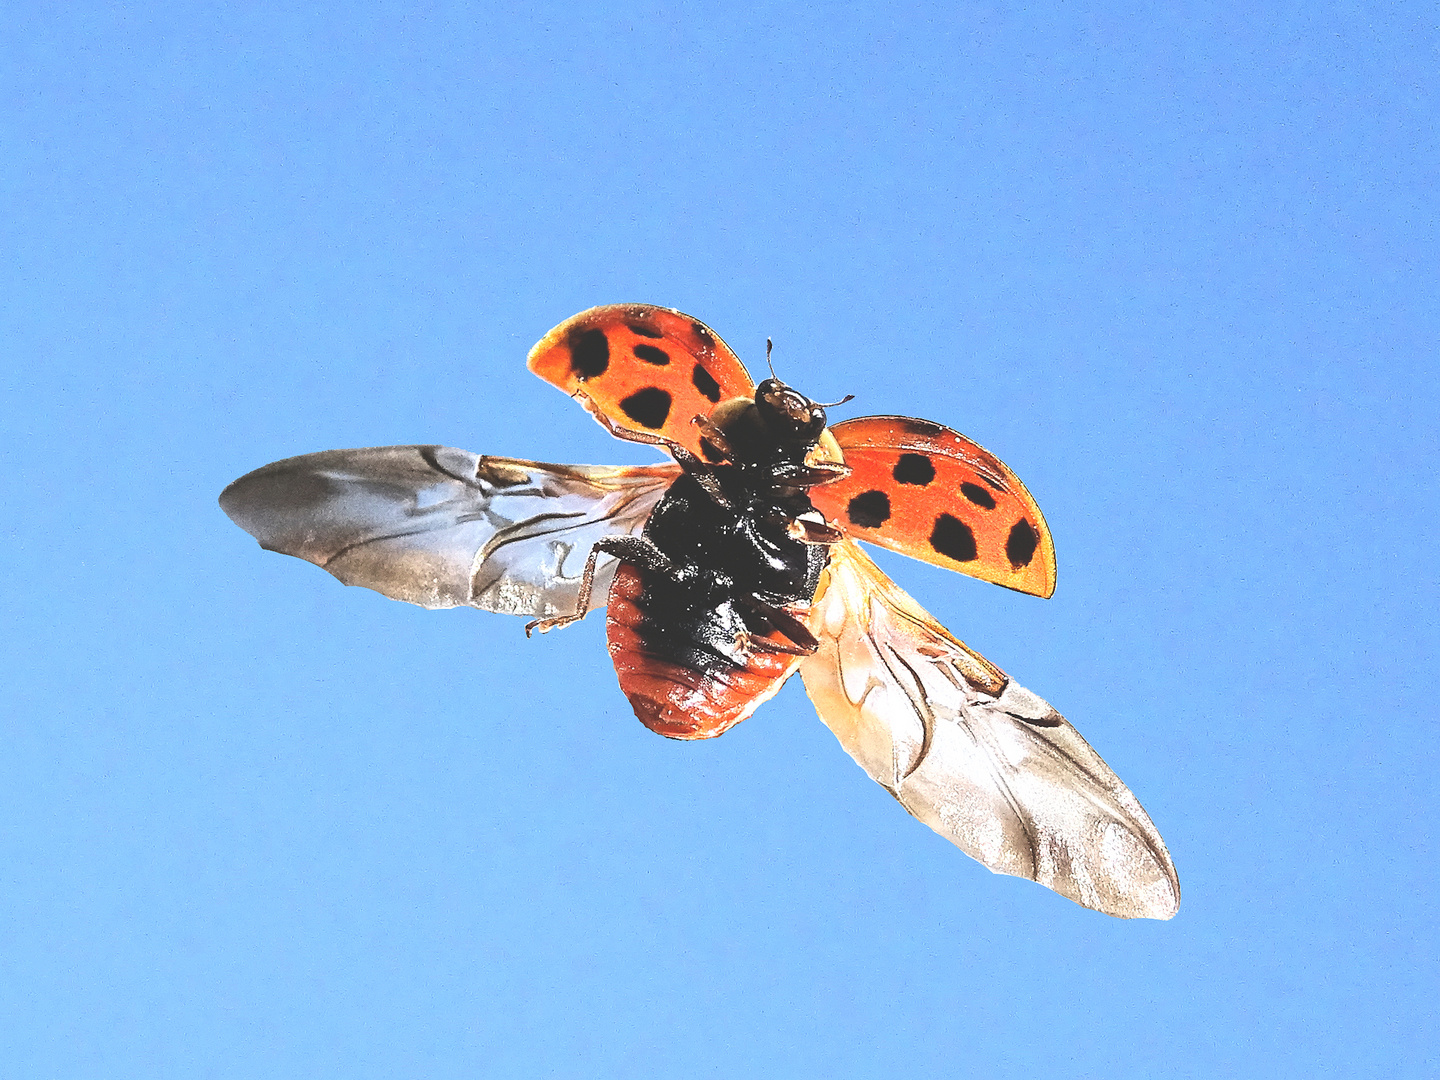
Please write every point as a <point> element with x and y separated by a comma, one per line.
<point>671,698</point>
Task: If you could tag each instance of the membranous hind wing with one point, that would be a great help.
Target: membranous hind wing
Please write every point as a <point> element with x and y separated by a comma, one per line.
<point>929,492</point>
<point>440,527</point>
<point>982,761</point>
<point>646,369</point>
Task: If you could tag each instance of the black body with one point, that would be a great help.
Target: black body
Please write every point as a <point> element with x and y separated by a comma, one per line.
<point>727,570</point>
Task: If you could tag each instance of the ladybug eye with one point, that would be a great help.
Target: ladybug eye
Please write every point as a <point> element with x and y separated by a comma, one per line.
<point>794,406</point>
<point>789,413</point>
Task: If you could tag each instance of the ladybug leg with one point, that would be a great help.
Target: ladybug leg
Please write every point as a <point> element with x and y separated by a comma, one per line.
<point>714,437</point>
<point>693,465</point>
<point>813,532</point>
<point>808,528</point>
<point>805,643</point>
<point>683,456</point>
<point>630,549</point>
<point>798,474</point>
<point>748,642</point>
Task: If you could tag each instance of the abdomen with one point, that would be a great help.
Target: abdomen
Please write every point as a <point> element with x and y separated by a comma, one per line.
<point>678,665</point>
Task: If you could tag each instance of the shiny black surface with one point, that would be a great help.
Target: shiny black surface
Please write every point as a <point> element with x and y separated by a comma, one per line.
<point>729,564</point>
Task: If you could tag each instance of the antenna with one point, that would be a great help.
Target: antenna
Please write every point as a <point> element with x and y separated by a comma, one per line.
<point>768,346</point>
<point>832,404</point>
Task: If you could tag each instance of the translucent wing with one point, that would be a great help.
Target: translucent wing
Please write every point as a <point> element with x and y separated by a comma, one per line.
<point>441,527</point>
<point>647,369</point>
<point>982,761</point>
<point>929,492</point>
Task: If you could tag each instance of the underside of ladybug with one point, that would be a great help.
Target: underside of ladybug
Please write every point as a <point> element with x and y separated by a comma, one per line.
<point>733,566</point>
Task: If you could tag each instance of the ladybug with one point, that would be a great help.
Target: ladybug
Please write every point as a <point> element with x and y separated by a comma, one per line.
<point>733,566</point>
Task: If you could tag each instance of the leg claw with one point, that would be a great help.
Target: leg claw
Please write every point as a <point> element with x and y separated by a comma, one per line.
<point>559,622</point>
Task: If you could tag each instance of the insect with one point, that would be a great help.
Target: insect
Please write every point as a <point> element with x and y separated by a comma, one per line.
<point>736,564</point>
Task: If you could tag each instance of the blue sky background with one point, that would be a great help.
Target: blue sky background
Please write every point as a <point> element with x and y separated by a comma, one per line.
<point>1178,269</point>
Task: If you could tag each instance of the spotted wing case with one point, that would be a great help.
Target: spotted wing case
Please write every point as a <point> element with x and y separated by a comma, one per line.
<point>929,492</point>
<point>984,762</point>
<point>646,369</point>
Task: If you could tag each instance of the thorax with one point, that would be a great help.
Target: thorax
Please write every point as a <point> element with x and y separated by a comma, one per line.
<point>743,547</point>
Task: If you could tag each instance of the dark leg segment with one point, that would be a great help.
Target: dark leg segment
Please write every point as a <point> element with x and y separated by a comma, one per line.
<point>715,437</point>
<point>687,461</point>
<point>801,475</point>
<point>629,549</point>
<point>785,623</point>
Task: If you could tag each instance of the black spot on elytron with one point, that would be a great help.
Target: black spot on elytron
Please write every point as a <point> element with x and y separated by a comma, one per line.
<point>1021,545</point>
<point>705,384</point>
<point>914,469</point>
<point>978,495</point>
<point>649,407</point>
<point>952,538</point>
<point>703,333</point>
<point>869,510</point>
<point>589,353</point>
<point>651,355</point>
<point>644,331</point>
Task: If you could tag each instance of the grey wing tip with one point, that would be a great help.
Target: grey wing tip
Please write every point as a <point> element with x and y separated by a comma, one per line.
<point>275,504</point>
<point>238,503</point>
<point>1160,901</point>
<point>1171,909</point>
<point>1164,903</point>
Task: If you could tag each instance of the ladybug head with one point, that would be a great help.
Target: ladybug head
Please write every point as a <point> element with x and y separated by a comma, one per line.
<point>777,424</point>
<point>791,418</point>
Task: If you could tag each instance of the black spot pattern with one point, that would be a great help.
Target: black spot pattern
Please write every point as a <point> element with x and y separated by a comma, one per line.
<point>952,538</point>
<point>649,407</point>
<point>705,383</point>
<point>978,495</point>
<point>1021,545</point>
<point>643,330</point>
<point>589,353</point>
<point>703,333</point>
<point>869,510</point>
<point>651,355</point>
<point>916,469</point>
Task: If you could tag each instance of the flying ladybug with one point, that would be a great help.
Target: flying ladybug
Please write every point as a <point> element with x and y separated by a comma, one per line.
<point>734,565</point>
